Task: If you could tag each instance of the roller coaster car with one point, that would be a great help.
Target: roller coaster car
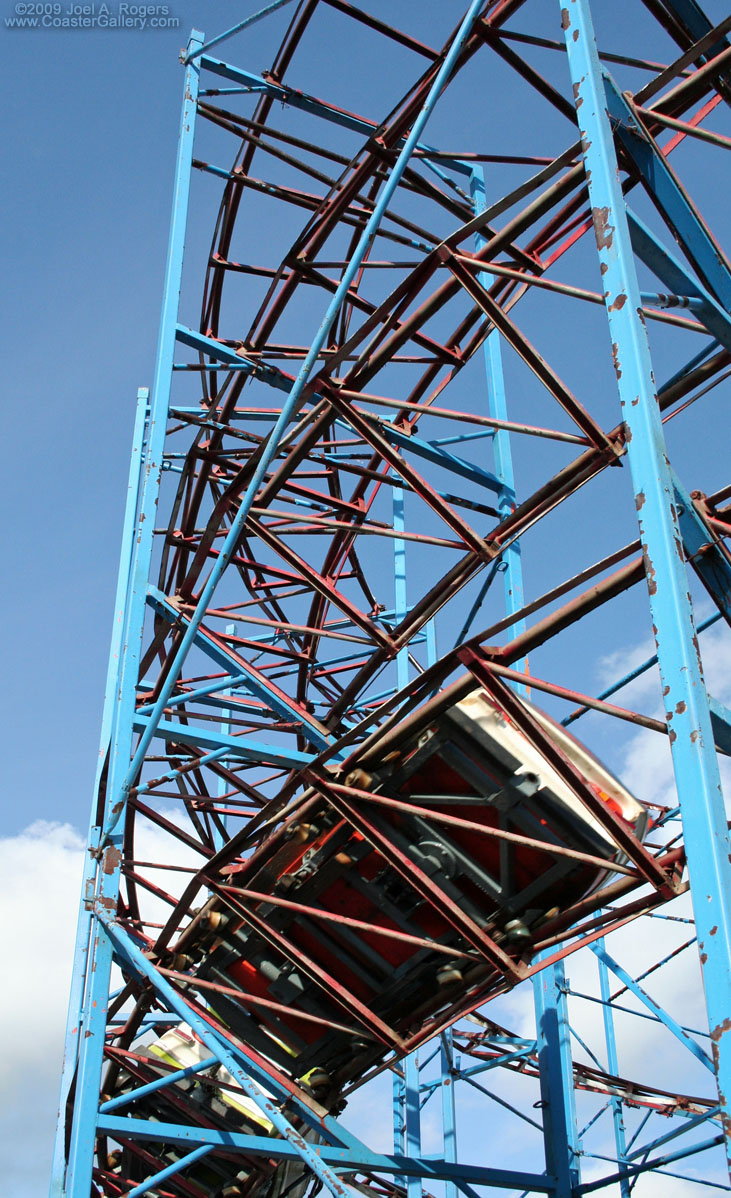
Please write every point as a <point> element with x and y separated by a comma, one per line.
<point>360,923</point>
<point>209,1098</point>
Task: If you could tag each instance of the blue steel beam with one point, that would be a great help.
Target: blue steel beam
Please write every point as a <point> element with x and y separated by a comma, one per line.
<point>232,358</point>
<point>297,99</point>
<point>412,1119</point>
<point>667,195</point>
<point>213,740</point>
<point>256,682</point>
<point>82,943</point>
<point>633,1171</point>
<point>617,1106</point>
<point>131,1096</point>
<point>107,854</point>
<point>549,1000</point>
<point>666,267</point>
<point>332,1157</point>
<point>434,453</point>
<point>178,1166</point>
<point>690,732</point>
<point>257,85</point>
<point>636,673</point>
<point>704,549</point>
<point>222,37</point>
<point>449,1106</point>
<point>407,1112</point>
<point>688,1123</point>
<point>721,721</point>
<point>501,447</point>
<point>556,1079</point>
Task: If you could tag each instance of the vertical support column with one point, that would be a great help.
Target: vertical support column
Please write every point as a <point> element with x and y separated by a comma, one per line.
<point>399,583</point>
<point>449,1107</point>
<point>503,457</point>
<point>81,949</point>
<point>106,854</point>
<point>556,1074</point>
<point>552,1034</point>
<point>686,702</point>
<point>399,1126</point>
<point>407,1112</point>
<point>412,1121</point>
<point>620,1139</point>
<point>218,838</point>
<point>407,1118</point>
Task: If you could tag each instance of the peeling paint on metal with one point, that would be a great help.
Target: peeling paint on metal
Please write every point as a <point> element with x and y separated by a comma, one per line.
<point>603,230</point>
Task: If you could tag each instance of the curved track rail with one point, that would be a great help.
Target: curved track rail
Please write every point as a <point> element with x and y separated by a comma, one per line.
<point>277,654</point>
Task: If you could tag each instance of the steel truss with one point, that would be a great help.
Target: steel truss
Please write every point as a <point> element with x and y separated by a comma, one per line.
<point>311,533</point>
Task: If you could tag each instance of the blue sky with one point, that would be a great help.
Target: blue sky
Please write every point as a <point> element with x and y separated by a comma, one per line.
<point>91,128</point>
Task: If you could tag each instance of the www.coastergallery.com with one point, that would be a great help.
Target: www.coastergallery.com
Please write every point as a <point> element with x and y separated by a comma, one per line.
<point>91,16</point>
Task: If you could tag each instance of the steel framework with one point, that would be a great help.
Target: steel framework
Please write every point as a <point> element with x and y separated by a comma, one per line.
<point>334,464</point>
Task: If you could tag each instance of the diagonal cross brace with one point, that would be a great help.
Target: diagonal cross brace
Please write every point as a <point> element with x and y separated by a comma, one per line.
<point>704,549</point>
<point>666,193</point>
<point>136,958</point>
<point>666,267</point>
<point>659,1012</point>
<point>256,682</point>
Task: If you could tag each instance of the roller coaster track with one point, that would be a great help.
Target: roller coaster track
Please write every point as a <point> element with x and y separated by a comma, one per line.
<point>305,861</point>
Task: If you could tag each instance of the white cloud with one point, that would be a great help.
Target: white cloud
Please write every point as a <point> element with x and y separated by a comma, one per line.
<point>40,884</point>
<point>40,873</point>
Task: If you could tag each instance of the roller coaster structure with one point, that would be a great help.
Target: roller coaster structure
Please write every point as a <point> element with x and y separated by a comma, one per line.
<point>337,477</point>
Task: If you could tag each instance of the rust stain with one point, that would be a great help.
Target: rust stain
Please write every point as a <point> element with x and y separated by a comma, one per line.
<point>713,930</point>
<point>565,18</point>
<point>603,231</point>
<point>672,735</point>
<point>680,707</point>
<point>649,571</point>
<point>639,500</point>
<point>615,359</point>
<point>619,303</point>
<point>697,648</point>
<point>112,861</point>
